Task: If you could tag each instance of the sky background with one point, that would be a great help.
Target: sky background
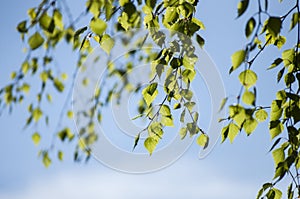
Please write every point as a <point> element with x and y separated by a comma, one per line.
<point>231,171</point>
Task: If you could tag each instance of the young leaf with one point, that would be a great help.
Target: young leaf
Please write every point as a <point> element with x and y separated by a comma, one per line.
<point>183,132</point>
<point>248,98</point>
<point>203,140</point>
<point>261,115</point>
<point>150,144</point>
<point>237,59</point>
<point>107,43</point>
<point>200,40</point>
<point>248,78</point>
<point>60,155</point>
<point>233,131</point>
<point>275,63</point>
<point>46,159</point>
<point>273,26</point>
<point>295,20</point>
<point>250,125</point>
<point>35,41</point>
<point>98,26</point>
<point>250,27</point>
<point>242,7</point>
<point>36,138</point>
<point>276,127</point>
<point>149,93</point>
<point>136,141</point>
<point>22,27</point>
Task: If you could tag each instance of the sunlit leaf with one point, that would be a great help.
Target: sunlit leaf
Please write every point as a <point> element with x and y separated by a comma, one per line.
<point>36,138</point>
<point>261,115</point>
<point>250,27</point>
<point>98,26</point>
<point>150,144</point>
<point>203,140</point>
<point>242,7</point>
<point>248,78</point>
<point>35,41</point>
<point>237,59</point>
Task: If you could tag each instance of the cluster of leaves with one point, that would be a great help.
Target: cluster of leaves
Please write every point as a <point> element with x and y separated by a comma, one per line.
<point>284,111</point>
<point>51,23</point>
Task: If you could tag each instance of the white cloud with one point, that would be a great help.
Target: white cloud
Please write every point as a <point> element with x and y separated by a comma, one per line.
<point>185,179</point>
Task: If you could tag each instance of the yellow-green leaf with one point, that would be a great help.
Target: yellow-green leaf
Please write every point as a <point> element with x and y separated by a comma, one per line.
<point>237,59</point>
<point>150,144</point>
<point>248,78</point>
<point>261,115</point>
<point>98,26</point>
<point>203,140</point>
<point>107,43</point>
<point>36,138</point>
<point>35,41</point>
<point>248,98</point>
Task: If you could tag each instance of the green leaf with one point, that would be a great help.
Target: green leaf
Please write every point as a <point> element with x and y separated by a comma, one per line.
<point>187,94</point>
<point>237,59</point>
<point>165,110</point>
<point>250,125</point>
<point>22,27</point>
<point>58,19</point>
<point>58,85</point>
<point>295,20</point>
<point>177,106</point>
<point>248,98</point>
<point>248,78</point>
<point>278,193</point>
<point>79,32</point>
<point>149,93</point>
<point>167,120</point>
<point>242,7</point>
<point>45,22</point>
<point>276,127</point>
<point>107,43</point>
<point>192,128</point>
<point>183,132</point>
<point>276,110</point>
<point>36,138</point>
<point>288,56</point>
<point>98,26</point>
<point>46,159</point>
<point>273,26</point>
<point>275,63</point>
<point>200,40</point>
<point>233,131</point>
<point>60,155</point>
<point>150,144</point>
<point>37,114</point>
<point>250,27</point>
<point>278,156</point>
<point>35,41</point>
<point>136,140</point>
<point>190,105</point>
<point>261,115</point>
<point>203,140</point>
<point>182,116</point>
<point>223,103</point>
<point>123,2</point>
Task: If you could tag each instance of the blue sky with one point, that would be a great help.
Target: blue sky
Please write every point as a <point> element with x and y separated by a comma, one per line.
<point>230,171</point>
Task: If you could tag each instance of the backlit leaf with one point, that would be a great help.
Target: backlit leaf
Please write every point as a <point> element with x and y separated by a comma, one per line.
<point>150,144</point>
<point>261,115</point>
<point>250,27</point>
<point>237,59</point>
<point>248,78</point>
<point>203,140</point>
<point>35,41</point>
<point>36,138</point>
<point>98,26</point>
